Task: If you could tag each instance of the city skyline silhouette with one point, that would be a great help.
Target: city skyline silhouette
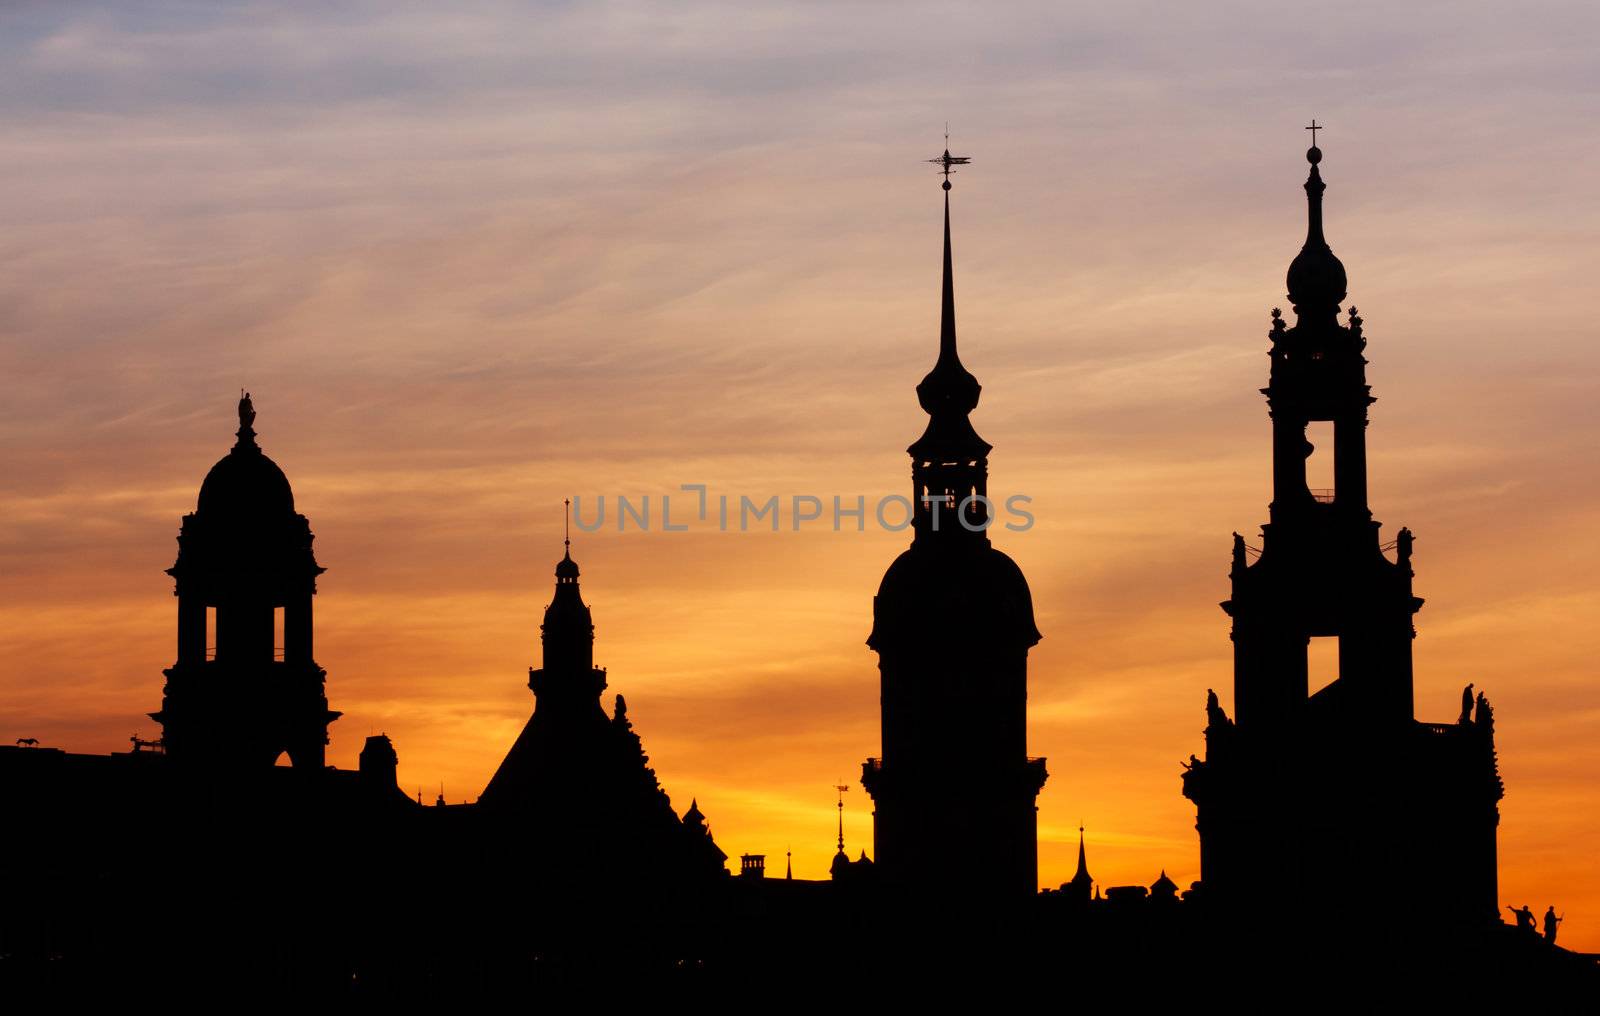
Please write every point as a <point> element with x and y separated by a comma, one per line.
<point>450,697</point>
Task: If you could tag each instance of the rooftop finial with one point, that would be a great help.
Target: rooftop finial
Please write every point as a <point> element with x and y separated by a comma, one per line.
<point>566,526</point>
<point>1313,129</point>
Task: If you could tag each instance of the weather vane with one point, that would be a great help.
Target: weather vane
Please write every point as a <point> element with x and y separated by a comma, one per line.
<point>945,161</point>
<point>1313,129</point>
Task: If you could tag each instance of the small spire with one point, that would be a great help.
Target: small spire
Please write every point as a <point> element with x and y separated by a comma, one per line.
<point>1314,189</point>
<point>788,865</point>
<point>1081,882</point>
<point>841,788</point>
<point>567,568</point>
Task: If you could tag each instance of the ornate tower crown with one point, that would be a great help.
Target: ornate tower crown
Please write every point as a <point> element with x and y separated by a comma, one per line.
<point>568,628</point>
<point>1316,277</point>
<point>950,462</point>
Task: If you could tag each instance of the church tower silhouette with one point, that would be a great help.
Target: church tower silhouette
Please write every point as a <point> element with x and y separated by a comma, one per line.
<point>558,748</point>
<point>576,793</point>
<point>1335,795</point>
<point>245,688</point>
<point>954,791</point>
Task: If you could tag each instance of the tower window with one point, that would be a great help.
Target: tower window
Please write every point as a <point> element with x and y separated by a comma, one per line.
<point>277,633</point>
<point>211,633</point>
<point>1319,459</point>
<point>1322,662</point>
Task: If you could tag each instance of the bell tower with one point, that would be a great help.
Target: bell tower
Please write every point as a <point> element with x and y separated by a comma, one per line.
<point>1322,573</point>
<point>245,688</point>
<point>1324,744</point>
<point>954,791</point>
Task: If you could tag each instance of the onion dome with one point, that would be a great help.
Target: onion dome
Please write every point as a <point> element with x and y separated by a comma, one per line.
<point>1316,279</point>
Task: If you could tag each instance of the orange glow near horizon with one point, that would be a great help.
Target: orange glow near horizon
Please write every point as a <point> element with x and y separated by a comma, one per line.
<point>468,268</point>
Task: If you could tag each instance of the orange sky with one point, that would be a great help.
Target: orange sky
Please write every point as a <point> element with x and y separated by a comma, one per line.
<point>471,263</point>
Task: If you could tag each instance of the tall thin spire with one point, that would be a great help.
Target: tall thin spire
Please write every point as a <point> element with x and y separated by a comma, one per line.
<point>947,318</point>
<point>947,315</point>
<point>949,391</point>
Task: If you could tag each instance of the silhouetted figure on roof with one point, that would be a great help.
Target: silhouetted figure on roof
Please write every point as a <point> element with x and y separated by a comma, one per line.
<point>1525,919</point>
<point>247,412</point>
<point>1550,923</point>
<point>1215,717</point>
<point>1466,705</point>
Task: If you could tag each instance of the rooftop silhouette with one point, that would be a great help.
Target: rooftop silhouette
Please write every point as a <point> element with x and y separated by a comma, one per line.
<point>195,865</point>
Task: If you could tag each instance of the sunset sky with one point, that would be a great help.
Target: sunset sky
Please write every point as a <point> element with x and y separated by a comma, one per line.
<point>474,258</point>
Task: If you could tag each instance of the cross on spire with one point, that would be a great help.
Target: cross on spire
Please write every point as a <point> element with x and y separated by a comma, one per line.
<point>1313,129</point>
